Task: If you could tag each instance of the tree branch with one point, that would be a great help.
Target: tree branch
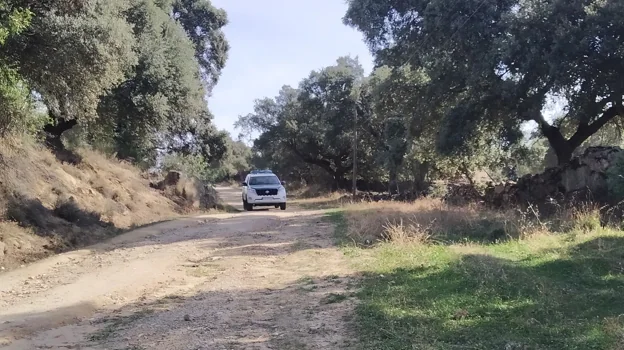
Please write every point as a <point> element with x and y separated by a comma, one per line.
<point>324,164</point>
<point>585,130</point>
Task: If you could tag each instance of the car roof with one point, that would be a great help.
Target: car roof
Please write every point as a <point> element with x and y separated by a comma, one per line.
<point>261,175</point>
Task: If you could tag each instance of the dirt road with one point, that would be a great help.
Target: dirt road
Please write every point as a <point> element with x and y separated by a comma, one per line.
<point>260,280</point>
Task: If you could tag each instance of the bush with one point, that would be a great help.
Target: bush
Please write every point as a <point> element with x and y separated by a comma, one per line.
<point>17,112</point>
<point>438,190</point>
<point>191,165</point>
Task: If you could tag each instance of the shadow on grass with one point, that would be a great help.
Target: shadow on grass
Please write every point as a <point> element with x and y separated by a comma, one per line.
<point>338,219</point>
<point>482,302</point>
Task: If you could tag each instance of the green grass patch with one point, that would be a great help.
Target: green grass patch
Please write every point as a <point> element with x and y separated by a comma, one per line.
<point>545,292</point>
<point>334,298</point>
<point>337,217</point>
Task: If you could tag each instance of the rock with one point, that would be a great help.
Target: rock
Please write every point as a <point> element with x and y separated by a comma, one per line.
<point>187,318</point>
<point>188,192</point>
<point>3,249</point>
<point>462,194</point>
<point>584,178</point>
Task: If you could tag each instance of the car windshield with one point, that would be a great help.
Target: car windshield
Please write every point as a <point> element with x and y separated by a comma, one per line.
<point>264,180</point>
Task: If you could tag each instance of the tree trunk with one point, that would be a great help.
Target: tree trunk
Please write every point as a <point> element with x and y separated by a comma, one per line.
<point>392,184</point>
<point>54,130</point>
<point>564,149</point>
<point>53,133</point>
<point>559,144</point>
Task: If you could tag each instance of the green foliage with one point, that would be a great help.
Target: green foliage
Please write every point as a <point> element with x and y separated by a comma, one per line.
<point>15,103</point>
<point>312,127</point>
<point>16,106</point>
<point>306,134</point>
<point>191,165</point>
<point>235,161</point>
<point>72,55</point>
<point>161,105</point>
<point>203,23</point>
<point>12,20</point>
<point>133,74</point>
<point>494,65</point>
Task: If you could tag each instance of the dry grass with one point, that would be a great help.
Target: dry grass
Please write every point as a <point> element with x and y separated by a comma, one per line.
<point>47,206</point>
<point>323,201</point>
<point>432,221</point>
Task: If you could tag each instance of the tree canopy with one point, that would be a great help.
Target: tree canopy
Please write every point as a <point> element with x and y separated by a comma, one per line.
<point>135,74</point>
<point>496,64</point>
<point>307,133</point>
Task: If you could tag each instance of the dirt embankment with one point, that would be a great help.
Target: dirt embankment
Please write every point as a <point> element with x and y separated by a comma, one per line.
<point>48,206</point>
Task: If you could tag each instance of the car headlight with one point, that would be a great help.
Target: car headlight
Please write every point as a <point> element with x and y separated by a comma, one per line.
<point>281,191</point>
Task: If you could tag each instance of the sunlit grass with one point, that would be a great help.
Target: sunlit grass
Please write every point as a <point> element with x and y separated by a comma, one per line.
<point>543,290</point>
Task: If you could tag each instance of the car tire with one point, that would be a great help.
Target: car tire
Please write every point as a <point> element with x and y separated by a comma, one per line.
<point>283,206</point>
<point>247,206</point>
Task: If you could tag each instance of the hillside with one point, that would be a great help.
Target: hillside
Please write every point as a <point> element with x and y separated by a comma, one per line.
<point>48,207</point>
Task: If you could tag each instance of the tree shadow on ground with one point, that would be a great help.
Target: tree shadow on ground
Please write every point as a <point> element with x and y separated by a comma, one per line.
<point>483,302</point>
<point>308,313</point>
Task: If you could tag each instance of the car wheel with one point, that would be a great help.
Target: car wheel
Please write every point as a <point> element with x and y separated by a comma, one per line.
<point>283,206</point>
<point>247,206</point>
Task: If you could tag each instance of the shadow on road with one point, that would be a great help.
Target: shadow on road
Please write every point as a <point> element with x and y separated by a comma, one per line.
<point>306,314</point>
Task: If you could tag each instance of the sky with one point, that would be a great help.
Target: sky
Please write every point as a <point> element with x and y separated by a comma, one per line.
<point>276,43</point>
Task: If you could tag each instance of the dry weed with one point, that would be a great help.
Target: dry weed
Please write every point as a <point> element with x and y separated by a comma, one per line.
<point>35,189</point>
<point>430,220</point>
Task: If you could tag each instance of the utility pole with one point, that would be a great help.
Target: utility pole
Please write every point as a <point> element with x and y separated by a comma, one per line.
<point>355,127</point>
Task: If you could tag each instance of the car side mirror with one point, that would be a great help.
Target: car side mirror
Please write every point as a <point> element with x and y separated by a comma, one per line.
<point>244,184</point>
<point>283,183</point>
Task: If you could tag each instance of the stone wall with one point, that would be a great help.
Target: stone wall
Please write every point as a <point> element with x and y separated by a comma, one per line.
<point>584,178</point>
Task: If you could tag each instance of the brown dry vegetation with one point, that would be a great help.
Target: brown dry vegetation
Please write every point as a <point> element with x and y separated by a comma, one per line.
<point>47,206</point>
<point>431,220</point>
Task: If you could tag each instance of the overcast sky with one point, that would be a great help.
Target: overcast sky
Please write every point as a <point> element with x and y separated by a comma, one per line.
<point>275,43</point>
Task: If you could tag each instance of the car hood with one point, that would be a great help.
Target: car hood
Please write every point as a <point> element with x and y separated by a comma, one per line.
<point>262,187</point>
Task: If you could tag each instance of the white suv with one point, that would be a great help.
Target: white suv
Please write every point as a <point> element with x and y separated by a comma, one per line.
<point>262,188</point>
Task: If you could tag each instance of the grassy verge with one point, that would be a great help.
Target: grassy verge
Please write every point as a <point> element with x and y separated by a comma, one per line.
<point>325,201</point>
<point>544,290</point>
<point>337,217</point>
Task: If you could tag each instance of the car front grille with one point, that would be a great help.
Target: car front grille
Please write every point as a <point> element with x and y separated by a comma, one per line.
<point>266,191</point>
